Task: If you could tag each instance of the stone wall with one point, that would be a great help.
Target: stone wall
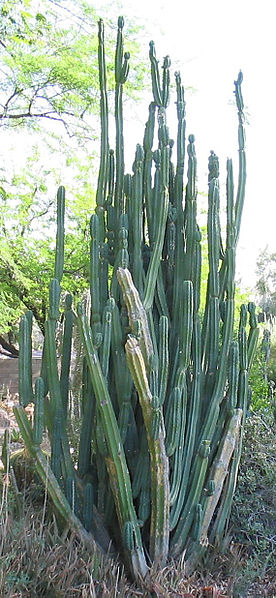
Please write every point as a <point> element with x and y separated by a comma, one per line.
<point>9,374</point>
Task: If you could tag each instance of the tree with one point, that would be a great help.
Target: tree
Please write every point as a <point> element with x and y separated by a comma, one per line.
<point>48,62</point>
<point>49,92</point>
<point>27,240</point>
<point>266,282</point>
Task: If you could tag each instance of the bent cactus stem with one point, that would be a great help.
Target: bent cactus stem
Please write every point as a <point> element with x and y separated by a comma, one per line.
<point>136,312</point>
<point>49,480</point>
<point>220,467</point>
<point>115,460</point>
<point>159,533</point>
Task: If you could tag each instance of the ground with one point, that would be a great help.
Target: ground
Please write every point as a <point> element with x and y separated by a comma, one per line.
<point>36,561</point>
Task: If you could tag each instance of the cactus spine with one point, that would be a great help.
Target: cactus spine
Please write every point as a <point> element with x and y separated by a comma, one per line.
<point>165,383</point>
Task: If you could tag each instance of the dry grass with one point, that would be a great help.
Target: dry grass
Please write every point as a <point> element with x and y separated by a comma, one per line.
<point>36,560</point>
<point>42,564</point>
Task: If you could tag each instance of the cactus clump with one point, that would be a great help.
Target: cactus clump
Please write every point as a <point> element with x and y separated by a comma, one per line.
<point>165,380</point>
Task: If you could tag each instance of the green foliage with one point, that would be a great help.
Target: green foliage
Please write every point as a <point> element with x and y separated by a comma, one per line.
<point>263,374</point>
<point>254,513</point>
<point>49,61</point>
<point>27,213</point>
<point>266,280</point>
<point>271,366</point>
<point>49,86</point>
<point>261,399</point>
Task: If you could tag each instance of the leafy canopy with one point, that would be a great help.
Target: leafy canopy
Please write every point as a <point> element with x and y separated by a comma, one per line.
<point>48,60</point>
<point>49,94</point>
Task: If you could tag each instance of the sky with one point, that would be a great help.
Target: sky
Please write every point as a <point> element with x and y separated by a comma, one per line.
<point>209,42</point>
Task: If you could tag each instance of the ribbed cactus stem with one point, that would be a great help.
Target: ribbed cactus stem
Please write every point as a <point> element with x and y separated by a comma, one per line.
<point>56,403</point>
<point>95,279</point>
<point>48,479</point>
<point>186,518</point>
<point>220,466</point>
<point>242,158</point>
<point>124,383</point>
<point>121,74</point>
<point>164,391</point>
<point>104,157</point>
<point>192,424</point>
<point>213,317</point>
<point>39,411</point>
<point>25,360</point>
<point>158,242</point>
<point>147,145</point>
<point>137,217</point>
<point>52,366</point>
<point>190,224</point>
<point>159,534</point>
<point>186,324</point>
<point>66,352</point>
<point>178,197</point>
<point>115,461</point>
<point>89,406</point>
<point>163,358</point>
<point>155,75</point>
<point>166,81</point>
<point>233,376</point>
<point>253,334</point>
<point>59,254</point>
<point>230,229</point>
<point>136,312</point>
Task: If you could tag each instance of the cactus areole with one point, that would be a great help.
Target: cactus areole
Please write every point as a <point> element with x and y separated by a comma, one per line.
<point>165,380</point>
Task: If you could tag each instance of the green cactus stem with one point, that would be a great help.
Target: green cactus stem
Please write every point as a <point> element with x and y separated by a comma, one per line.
<point>186,518</point>
<point>39,411</point>
<point>242,158</point>
<point>155,75</point>
<point>137,220</point>
<point>48,479</point>
<point>104,159</point>
<point>158,242</point>
<point>163,358</point>
<point>191,431</point>
<point>66,352</point>
<point>220,467</point>
<point>25,360</point>
<point>164,384</point>
<point>121,74</point>
<point>59,255</point>
<point>159,534</point>
<point>253,334</point>
<point>56,404</point>
<point>136,312</point>
<point>115,461</point>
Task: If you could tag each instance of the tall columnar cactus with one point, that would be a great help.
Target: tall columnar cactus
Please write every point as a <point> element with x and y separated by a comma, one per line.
<point>165,375</point>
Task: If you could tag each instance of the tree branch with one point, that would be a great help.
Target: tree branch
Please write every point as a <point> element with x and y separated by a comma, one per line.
<point>11,349</point>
